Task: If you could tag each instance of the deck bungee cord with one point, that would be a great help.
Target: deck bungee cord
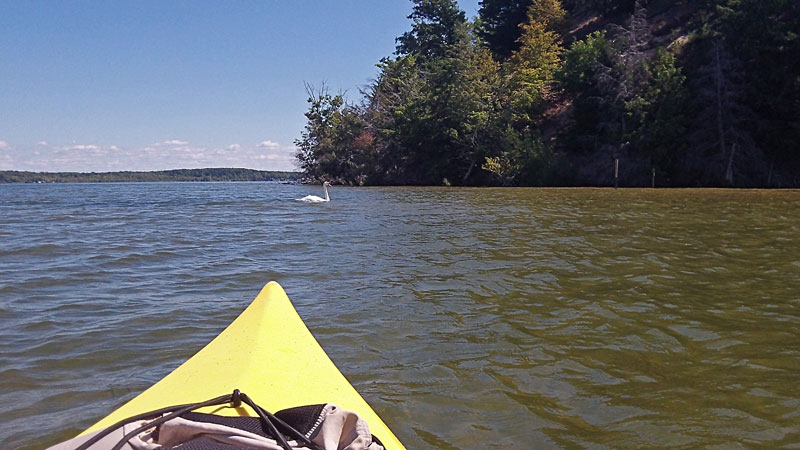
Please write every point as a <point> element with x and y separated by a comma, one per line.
<point>163,415</point>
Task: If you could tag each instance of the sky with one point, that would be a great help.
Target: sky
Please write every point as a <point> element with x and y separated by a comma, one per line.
<point>96,86</point>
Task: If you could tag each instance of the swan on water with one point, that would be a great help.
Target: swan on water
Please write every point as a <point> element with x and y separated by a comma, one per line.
<point>314,198</point>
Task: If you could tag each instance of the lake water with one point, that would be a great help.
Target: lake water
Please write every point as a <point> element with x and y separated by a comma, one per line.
<point>468,318</point>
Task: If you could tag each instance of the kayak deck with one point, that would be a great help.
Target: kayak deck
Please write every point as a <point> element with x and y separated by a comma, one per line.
<point>266,352</point>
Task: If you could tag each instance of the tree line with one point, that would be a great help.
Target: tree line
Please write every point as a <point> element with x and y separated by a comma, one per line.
<point>216,174</point>
<point>549,92</point>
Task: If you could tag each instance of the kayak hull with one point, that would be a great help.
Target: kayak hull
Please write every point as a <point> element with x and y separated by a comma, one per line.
<point>266,352</point>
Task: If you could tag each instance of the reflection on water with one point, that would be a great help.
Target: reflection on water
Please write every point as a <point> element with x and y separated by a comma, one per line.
<point>469,318</point>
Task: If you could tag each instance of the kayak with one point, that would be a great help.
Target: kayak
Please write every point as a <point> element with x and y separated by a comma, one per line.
<point>266,352</point>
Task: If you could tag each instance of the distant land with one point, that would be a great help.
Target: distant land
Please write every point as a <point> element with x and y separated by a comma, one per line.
<point>214,174</point>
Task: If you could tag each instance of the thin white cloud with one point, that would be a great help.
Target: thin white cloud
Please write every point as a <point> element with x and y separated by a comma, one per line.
<point>42,143</point>
<point>168,154</point>
<point>172,142</point>
<point>4,144</point>
<point>81,147</point>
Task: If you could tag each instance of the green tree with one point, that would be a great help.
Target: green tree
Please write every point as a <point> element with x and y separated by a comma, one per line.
<point>397,112</point>
<point>523,159</point>
<point>500,22</point>
<point>621,82</point>
<point>581,62</point>
<point>764,36</point>
<point>430,108</point>
<point>519,156</point>
<point>328,148</point>
<point>549,13</point>
<point>532,67</point>
<point>628,102</point>
<point>578,77</point>
<point>599,6</point>
<point>437,25</point>
<point>658,113</point>
<point>724,152</point>
<point>453,113</point>
<point>473,102</point>
<point>501,101</point>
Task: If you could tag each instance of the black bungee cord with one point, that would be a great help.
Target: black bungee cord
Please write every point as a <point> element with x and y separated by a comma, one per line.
<point>236,398</point>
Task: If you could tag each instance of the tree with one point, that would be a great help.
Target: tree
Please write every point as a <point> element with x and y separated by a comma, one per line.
<point>431,106</point>
<point>457,104</point>
<point>532,67</point>
<point>658,113</point>
<point>620,82</point>
<point>549,13</point>
<point>599,6</point>
<point>764,37</point>
<point>396,112</point>
<point>501,101</point>
<point>500,22</point>
<point>579,76</point>
<point>520,156</point>
<point>581,62</point>
<point>437,25</point>
<point>524,160</point>
<point>328,146</point>
<point>723,146</point>
<point>472,102</point>
<point>629,102</point>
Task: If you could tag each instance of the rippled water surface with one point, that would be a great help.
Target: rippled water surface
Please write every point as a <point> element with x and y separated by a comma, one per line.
<point>469,318</point>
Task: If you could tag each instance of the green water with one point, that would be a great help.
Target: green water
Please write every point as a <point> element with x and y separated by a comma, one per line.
<point>469,318</point>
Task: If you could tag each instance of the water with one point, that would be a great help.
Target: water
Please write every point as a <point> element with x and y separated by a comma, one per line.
<point>468,318</point>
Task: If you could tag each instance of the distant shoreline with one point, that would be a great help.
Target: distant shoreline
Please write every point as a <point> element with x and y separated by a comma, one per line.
<point>244,175</point>
<point>209,174</point>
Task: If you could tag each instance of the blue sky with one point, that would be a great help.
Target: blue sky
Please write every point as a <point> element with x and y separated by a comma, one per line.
<point>152,85</point>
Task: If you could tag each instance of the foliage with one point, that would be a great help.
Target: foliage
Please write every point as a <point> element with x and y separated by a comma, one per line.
<point>437,25</point>
<point>657,113</point>
<point>525,160</point>
<point>579,77</point>
<point>763,37</point>
<point>532,67</point>
<point>500,24</point>
<point>698,92</point>
<point>721,132</point>
<point>600,6</point>
<point>628,102</point>
<point>581,62</point>
<point>333,142</point>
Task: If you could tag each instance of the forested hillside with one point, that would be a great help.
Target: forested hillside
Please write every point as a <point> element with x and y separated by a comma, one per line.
<point>549,92</point>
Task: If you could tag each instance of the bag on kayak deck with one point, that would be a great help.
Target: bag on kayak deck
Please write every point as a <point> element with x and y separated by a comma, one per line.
<point>313,427</point>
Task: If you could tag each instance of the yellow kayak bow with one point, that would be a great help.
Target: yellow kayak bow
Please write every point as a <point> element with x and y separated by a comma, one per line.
<point>266,352</point>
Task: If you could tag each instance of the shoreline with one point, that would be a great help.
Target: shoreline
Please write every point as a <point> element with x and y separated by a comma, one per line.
<point>174,175</point>
<point>252,175</point>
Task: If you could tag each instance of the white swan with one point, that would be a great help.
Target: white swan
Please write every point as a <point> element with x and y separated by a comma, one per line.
<point>314,198</point>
